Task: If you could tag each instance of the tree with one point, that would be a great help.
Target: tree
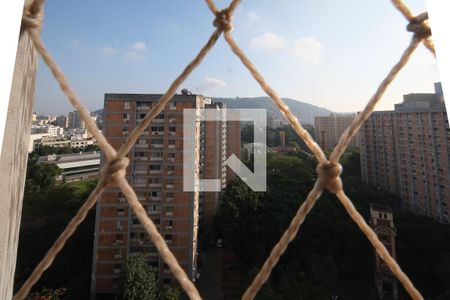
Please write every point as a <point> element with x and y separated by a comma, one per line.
<point>137,282</point>
<point>172,293</point>
<point>48,294</point>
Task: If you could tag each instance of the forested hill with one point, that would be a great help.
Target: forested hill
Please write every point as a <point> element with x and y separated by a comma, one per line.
<point>305,112</point>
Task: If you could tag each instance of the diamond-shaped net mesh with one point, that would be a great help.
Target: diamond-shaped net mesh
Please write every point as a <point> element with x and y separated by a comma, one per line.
<point>328,169</point>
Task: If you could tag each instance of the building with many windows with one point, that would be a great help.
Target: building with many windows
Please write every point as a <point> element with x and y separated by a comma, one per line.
<point>156,174</point>
<point>406,152</point>
<point>329,129</point>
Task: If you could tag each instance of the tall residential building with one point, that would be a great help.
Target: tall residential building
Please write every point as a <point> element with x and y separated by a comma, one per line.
<point>406,152</point>
<point>75,121</point>
<point>62,121</point>
<point>156,174</point>
<point>328,130</point>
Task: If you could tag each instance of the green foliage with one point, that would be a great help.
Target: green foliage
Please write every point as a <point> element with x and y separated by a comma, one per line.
<point>172,293</point>
<point>330,252</point>
<point>47,209</point>
<point>47,150</point>
<point>48,294</point>
<point>137,282</point>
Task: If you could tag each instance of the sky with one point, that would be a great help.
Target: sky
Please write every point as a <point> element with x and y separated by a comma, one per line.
<point>329,53</point>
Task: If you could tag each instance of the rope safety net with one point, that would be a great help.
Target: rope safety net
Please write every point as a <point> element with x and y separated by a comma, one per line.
<point>328,169</point>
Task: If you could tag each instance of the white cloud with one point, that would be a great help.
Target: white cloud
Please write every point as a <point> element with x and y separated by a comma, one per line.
<point>138,46</point>
<point>135,56</point>
<point>308,50</point>
<point>108,50</point>
<point>210,83</point>
<point>268,41</point>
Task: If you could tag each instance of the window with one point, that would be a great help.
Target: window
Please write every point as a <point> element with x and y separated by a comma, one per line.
<point>126,105</point>
<point>156,194</point>
<point>155,167</point>
<point>154,180</point>
<point>126,117</point>
<point>172,129</point>
<point>171,155</point>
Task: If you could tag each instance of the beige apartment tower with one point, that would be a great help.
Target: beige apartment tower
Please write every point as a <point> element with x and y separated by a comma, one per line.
<point>155,172</point>
<point>406,152</point>
<point>328,130</point>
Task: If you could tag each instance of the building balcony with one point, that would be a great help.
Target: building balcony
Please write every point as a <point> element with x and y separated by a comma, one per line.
<point>172,120</point>
<point>155,172</point>
<point>154,212</point>
<point>155,185</point>
<point>141,145</point>
<point>143,107</point>
<point>171,146</point>
<point>141,158</point>
<point>157,145</point>
<point>157,132</point>
<point>171,159</point>
<point>156,158</point>
<point>158,120</point>
<point>170,186</point>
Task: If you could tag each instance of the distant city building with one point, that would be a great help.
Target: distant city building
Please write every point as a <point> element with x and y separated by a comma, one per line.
<point>329,129</point>
<point>77,133</point>
<point>274,122</point>
<point>58,142</point>
<point>75,121</point>
<point>156,174</point>
<point>406,152</point>
<point>51,141</point>
<point>62,121</point>
<point>282,139</point>
<point>382,222</point>
<point>48,129</point>
<point>75,167</point>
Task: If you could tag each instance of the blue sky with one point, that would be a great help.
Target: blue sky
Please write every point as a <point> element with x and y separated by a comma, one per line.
<point>329,53</point>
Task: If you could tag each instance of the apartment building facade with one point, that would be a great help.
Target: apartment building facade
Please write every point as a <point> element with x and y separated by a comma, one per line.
<point>156,174</point>
<point>328,130</point>
<point>406,152</point>
<point>75,121</point>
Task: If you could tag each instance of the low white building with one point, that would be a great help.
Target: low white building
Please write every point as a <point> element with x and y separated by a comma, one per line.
<point>75,167</point>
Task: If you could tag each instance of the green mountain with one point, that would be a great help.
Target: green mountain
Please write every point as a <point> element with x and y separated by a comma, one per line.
<point>305,112</point>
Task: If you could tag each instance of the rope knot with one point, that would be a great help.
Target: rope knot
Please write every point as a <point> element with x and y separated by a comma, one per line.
<point>32,15</point>
<point>115,170</point>
<point>329,176</point>
<point>223,20</point>
<point>419,26</point>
